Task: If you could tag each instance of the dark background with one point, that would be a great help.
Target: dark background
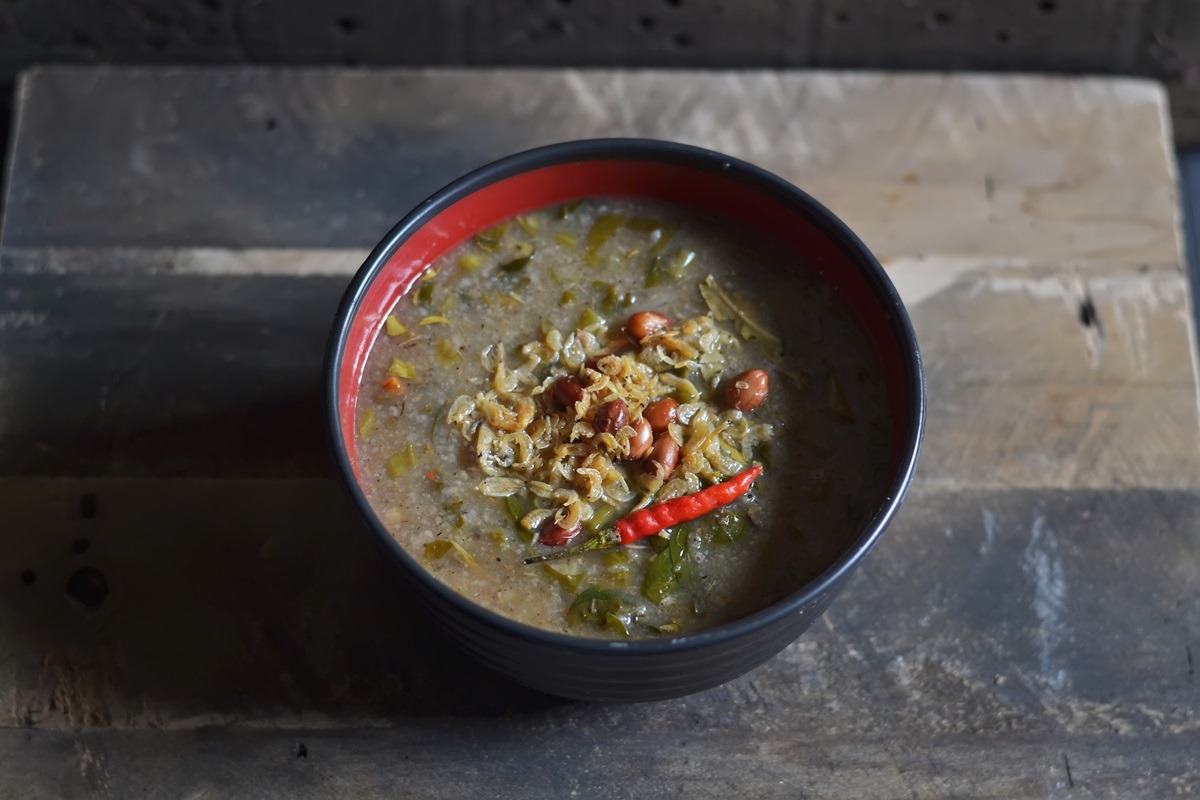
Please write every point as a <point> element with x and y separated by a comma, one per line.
<point>1157,38</point>
<point>1154,38</point>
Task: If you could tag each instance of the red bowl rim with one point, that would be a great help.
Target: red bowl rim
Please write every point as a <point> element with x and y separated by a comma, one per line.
<point>695,158</point>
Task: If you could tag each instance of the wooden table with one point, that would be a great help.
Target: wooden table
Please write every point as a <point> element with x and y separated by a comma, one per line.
<point>186,609</point>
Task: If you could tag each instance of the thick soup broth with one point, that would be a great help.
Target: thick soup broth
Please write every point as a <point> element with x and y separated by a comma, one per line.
<point>514,401</point>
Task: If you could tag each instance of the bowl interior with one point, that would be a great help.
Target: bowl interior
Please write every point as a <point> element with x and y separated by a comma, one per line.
<point>749,198</point>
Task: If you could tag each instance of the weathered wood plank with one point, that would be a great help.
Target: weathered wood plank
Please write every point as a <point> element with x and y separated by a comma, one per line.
<point>1046,169</point>
<point>488,756</point>
<point>1058,613</point>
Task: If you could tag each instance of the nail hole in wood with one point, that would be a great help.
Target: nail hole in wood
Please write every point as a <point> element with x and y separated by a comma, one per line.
<point>80,545</point>
<point>28,577</point>
<point>88,505</point>
<point>300,750</point>
<point>347,25</point>
<point>1087,314</point>
<point>88,587</point>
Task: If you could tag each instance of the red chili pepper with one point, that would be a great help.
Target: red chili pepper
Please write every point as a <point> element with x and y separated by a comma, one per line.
<point>659,517</point>
<point>649,521</point>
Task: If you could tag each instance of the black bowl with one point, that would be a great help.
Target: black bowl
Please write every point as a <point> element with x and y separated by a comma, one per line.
<point>627,670</point>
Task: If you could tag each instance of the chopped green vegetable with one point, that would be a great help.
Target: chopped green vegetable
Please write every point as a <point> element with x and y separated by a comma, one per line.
<point>614,624</point>
<point>490,239</point>
<point>528,224</point>
<point>566,240</point>
<point>566,209</point>
<point>593,605</point>
<point>723,307</point>
<point>616,558</point>
<point>433,320</point>
<point>567,298</point>
<point>516,265</point>
<point>609,302</point>
<point>447,352</point>
<point>569,582</point>
<point>602,230</point>
<point>401,461</point>
<point>470,261</point>
<point>724,526</point>
<point>604,516</point>
<point>393,326</point>
<point>656,273</point>
<point>440,547</point>
<point>402,369</point>
<point>424,295</point>
<point>517,507</point>
<point>664,238</point>
<point>838,403</point>
<point>590,319</point>
<point>669,568</point>
<point>367,423</point>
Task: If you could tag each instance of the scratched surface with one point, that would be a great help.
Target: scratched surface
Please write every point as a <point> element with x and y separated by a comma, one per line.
<point>187,610</point>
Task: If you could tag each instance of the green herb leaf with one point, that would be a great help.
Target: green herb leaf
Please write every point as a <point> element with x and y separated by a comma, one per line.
<point>566,240</point>
<point>566,209</point>
<point>593,605</point>
<point>402,369</point>
<point>518,506</point>
<point>669,568</point>
<point>516,265</point>
<point>393,326</point>
<point>602,230</point>
<point>838,403</point>
<point>470,261</point>
<point>490,239</point>
<point>723,527</point>
<point>367,423</point>
<point>528,224</point>
<point>723,307</point>
<point>569,582</point>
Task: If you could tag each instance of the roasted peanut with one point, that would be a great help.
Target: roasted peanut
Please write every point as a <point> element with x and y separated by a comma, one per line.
<point>646,323</point>
<point>568,392</point>
<point>553,534</point>
<point>746,391</point>
<point>643,437</point>
<point>662,458</point>
<point>661,413</point>
<point>611,417</point>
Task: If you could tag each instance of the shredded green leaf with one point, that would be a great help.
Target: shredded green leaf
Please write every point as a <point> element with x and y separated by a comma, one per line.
<point>367,423</point>
<point>440,547</point>
<point>402,369</point>
<point>838,403</point>
<point>566,209</point>
<point>490,239</point>
<point>593,605</point>
<point>723,308</point>
<point>669,568</point>
<point>424,295</point>
<point>569,582</point>
<point>393,326</point>
<point>401,461</point>
<point>528,224</point>
<point>602,230</point>
<point>516,265</point>
<point>567,298</point>
<point>447,352</point>
<point>566,240</point>
<point>470,261</point>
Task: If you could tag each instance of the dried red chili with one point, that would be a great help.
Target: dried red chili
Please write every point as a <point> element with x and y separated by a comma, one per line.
<point>649,521</point>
